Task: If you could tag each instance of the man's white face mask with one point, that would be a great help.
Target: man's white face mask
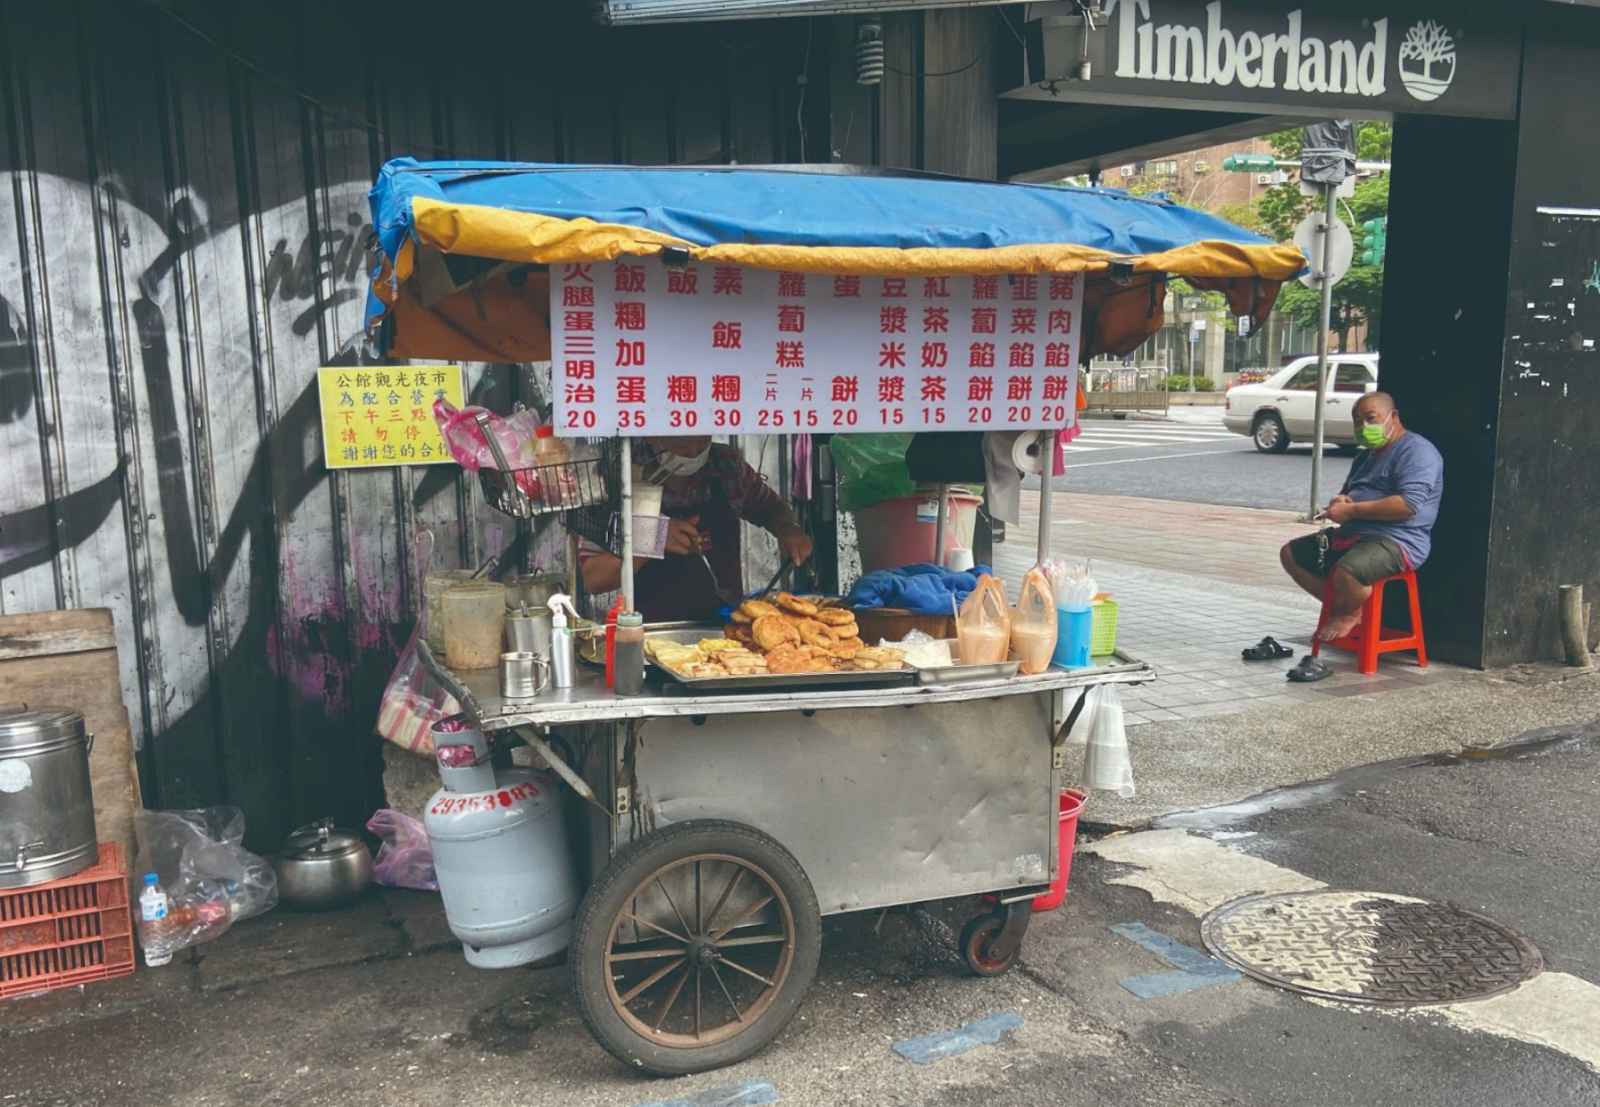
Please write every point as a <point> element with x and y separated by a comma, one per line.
<point>677,465</point>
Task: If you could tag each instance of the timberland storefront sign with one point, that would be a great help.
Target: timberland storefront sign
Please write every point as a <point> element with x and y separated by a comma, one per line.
<point>1299,59</point>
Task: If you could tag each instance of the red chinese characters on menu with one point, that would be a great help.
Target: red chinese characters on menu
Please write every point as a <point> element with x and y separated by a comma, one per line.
<point>643,347</point>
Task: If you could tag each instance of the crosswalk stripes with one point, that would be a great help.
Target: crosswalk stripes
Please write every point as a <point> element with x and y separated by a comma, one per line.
<point>1106,435</point>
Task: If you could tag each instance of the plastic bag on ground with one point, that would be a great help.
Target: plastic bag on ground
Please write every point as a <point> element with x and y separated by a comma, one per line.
<point>405,858</point>
<point>1033,623</point>
<point>210,879</point>
<point>1106,764</point>
<point>983,625</point>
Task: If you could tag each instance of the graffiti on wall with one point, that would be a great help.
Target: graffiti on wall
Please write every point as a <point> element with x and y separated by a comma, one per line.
<point>158,414</point>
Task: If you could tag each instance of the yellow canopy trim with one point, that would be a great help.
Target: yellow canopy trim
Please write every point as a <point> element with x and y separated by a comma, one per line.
<point>518,236</point>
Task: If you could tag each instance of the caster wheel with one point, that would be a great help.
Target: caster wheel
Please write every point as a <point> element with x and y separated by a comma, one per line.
<point>977,937</point>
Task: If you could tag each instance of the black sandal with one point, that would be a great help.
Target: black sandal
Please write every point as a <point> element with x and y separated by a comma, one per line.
<point>1310,669</point>
<point>1268,649</point>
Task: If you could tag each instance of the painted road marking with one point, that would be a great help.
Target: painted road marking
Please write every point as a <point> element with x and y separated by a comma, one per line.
<point>947,1043</point>
<point>1160,457</point>
<point>752,1093</point>
<point>1193,969</point>
<point>1555,1010</point>
<point>1159,432</point>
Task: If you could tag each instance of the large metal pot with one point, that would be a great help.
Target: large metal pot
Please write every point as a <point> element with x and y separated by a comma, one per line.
<point>322,867</point>
<point>46,806</point>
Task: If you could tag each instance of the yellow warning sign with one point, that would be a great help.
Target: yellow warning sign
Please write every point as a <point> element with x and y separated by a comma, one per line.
<point>375,416</point>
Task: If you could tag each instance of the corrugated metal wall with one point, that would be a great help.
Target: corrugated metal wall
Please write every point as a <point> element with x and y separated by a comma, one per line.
<point>182,221</point>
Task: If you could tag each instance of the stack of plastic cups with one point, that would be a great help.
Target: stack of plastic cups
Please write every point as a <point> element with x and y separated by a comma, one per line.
<point>1074,630</point>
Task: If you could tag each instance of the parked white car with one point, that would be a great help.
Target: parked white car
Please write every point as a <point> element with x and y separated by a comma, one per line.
<point>1281,409</point>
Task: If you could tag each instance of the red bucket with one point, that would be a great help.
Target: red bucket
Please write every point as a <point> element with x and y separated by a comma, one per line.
<point>1071,805</point>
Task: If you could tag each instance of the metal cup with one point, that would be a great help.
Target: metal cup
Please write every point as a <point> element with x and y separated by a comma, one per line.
<point>523,675</point>
<point>528,631</point>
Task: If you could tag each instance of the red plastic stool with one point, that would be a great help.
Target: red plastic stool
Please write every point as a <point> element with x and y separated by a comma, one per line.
<point>1371,637</point>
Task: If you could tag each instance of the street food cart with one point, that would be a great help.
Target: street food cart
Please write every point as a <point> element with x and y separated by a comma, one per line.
<point>721,823</point>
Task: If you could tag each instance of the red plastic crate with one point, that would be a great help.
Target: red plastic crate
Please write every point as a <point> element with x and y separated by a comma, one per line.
<point>70,931</point>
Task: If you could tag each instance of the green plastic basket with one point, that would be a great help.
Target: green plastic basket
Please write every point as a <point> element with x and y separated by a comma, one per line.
<point>1103,639</point>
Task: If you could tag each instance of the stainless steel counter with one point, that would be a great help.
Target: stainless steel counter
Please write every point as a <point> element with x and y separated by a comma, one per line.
<point>590,702</point>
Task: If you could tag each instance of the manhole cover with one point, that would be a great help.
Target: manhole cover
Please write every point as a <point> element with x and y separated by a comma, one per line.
<point>1367,947</point>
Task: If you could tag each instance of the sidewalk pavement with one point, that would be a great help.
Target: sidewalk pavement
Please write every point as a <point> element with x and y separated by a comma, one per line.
<point>1195,584</point>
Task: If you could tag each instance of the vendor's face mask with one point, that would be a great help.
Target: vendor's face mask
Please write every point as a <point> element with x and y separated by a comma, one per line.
<point>1374,435</point>
<point>677,465</point>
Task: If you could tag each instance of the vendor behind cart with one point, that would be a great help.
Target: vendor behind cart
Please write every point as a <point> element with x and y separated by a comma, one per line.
<point>706,490</point>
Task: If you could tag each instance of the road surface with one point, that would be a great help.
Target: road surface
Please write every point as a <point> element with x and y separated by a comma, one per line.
<point>1190,456</point>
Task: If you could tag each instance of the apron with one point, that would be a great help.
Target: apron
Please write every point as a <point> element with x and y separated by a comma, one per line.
<point>677,587</point>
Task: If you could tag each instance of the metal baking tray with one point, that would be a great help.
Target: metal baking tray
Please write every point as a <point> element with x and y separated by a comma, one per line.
<point>955,674</point>
<point>772,682</point>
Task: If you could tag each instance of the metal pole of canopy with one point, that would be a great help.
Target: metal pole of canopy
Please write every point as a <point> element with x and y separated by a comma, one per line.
<point>938,525</point>
<point>627,524</point>
<point>1047,458</point>
<point>1324,320</point>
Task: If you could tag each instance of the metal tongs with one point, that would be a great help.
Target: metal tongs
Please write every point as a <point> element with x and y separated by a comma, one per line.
<point>785,571</point>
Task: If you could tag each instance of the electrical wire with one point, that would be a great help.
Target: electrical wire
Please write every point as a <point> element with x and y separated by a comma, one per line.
<point>805,85</point>
<point>1006,19</point>
<point>286,85</point>
<point>945,73</point>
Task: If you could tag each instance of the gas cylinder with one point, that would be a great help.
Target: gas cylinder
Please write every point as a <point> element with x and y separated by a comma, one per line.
<point>500,854</point>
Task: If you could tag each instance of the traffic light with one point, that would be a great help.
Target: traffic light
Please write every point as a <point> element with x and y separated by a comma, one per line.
<point>1249,163</point>
<point>1375,240</point>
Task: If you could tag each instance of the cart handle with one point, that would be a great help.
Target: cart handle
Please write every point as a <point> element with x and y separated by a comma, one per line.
<point>468,702</point>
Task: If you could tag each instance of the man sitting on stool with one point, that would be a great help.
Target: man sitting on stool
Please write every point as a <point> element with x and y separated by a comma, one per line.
<point>1384,514</point>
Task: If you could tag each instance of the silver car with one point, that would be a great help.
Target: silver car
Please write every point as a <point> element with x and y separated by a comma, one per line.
<point>1282,408</point>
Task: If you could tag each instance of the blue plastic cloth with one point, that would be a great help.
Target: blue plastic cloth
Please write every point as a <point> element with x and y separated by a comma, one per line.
<point>708,206</point>
<point>924,588</point>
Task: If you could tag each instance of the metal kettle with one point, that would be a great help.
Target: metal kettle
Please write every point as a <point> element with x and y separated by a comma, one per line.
<point>322,867</point>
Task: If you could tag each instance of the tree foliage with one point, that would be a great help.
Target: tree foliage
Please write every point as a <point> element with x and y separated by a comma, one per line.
<point>1358,298</point>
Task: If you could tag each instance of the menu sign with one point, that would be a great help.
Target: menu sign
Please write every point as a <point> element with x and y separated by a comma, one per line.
<point>643,348</point>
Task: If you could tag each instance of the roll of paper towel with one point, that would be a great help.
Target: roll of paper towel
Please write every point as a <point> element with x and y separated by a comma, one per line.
<point>1026,454</point>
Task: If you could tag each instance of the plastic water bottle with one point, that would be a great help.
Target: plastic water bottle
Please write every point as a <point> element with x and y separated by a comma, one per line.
<point>154,922</point>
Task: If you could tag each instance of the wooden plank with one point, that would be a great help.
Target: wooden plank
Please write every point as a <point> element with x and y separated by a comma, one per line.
<point>44,633</point>
<point>87,681</point>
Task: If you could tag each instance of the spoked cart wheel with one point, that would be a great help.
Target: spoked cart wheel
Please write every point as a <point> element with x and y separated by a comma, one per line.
<point>695,947</point>
<point>991,942</point>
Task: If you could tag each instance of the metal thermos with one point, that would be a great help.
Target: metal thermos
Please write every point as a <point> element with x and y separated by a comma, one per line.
<point>46,806</point>
<point>562,661</point>
<point>528,631</point>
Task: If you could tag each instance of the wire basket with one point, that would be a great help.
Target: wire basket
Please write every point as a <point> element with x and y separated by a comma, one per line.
<point>541,489</point>
<point>544,489</point>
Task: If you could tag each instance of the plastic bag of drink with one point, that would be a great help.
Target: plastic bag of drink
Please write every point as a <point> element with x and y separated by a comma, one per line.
<point>983,625</point>
<point>211,881</point>
<point>1033,623</point>
<point>405,858</point>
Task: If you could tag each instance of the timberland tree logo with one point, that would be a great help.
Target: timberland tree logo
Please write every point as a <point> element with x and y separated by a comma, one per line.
<point>1285,57</point>
<point>1431,54</point>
